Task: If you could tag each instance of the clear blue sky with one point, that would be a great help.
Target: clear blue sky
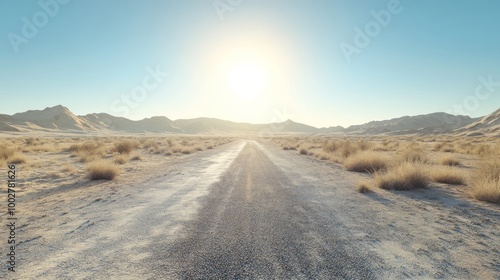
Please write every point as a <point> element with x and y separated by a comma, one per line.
<point>259,61</point>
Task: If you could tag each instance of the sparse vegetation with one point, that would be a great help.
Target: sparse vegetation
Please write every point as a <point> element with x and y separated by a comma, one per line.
<point>136,157</point>
<point>485,182</point>
<point>407,176</point>
<point>126,146</point>
<point>121,159</point>
<point>366,162</point>
<point>88,151</point>
<point>447,175</point>
<point>413,154</point>
<point>11,155</point>
<point>102,170</point>
<point>363,187</point>
<point>17,159</point>
<point>69,169</point>
<point>450,161</point>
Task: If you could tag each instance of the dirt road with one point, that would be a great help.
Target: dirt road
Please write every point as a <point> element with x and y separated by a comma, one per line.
<point>251,210</point>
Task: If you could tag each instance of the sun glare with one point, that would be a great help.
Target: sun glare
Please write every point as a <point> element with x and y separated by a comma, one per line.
<point>247,80</point>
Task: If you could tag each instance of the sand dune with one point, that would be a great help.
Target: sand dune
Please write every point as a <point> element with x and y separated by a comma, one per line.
<point>489,124</point>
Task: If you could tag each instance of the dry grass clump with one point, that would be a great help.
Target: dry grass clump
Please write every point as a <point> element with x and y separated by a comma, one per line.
<point>450,161</point>
<point>11,155</point>
<point>88,151</point>
<point>414,155</point>
<point>17,159</point>
<point>407,176</point>
<point>70,169</point>
<point>485,182</point>
<point>102,170</point>
<point>363,187</point>
<point>125,146</point>
<point>6,152</point>
<point>136,157</point>
<point>366,161</point>
<point>482,150</point>
<point>447,175</point>
<point>121,159</point>
<point>347,148</point>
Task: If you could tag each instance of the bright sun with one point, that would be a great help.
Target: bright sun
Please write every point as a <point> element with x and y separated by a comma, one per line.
<point>247,80</point>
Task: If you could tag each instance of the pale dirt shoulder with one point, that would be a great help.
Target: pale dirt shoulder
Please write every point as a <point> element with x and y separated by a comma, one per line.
<point>430,233</point>
<point>80,228</point>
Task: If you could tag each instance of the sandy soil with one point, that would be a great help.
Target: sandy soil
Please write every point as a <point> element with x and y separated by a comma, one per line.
<point>127,228</point>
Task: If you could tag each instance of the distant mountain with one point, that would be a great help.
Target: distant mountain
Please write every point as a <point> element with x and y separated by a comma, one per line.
<point>332,129</point>
<point>421,124</point>
<point>109,122</point>
<point>209,125</point>
<point>5,123</point>
<point>60,119</point>
<point>291,126</point>
<point>489,124</point>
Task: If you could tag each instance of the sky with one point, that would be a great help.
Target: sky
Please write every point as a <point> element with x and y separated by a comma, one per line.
<point>323,63</point>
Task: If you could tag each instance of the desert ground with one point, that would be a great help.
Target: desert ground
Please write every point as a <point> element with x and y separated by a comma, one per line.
<point>288,207</point>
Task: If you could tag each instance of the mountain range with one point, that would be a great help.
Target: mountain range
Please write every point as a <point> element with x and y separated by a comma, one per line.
<point>61,119</point>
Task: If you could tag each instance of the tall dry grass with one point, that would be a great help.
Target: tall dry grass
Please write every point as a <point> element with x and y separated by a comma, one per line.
<point>406,176</point>
<point>367,161</point>
<point>447,175</point>
<point>126,146</point>
<point>102,170</point>
<point>88,151</point>
<point>485,182</point>
<point>11,155</point>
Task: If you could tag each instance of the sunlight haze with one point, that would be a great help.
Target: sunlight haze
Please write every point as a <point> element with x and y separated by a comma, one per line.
<point>323,63</point>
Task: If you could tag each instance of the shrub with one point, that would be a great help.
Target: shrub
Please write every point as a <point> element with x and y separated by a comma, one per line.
<point>450,161</point>
<point>102,170</point>
<point>303,151</point>
<point>414,155</point>
<point>363,187</point>
<point>6,152</point>
<point>447,175</point>
<point>136,157</point>
<point>69,169</point>
<point>121,159</point>
<point>403,177</point>
<point>88,151</point>
<point>17,159</point>
<point>329,147</point>
<point>366,162</point>
<point>125,147</point>
<point>347,148</point>
<point>485,182</point>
